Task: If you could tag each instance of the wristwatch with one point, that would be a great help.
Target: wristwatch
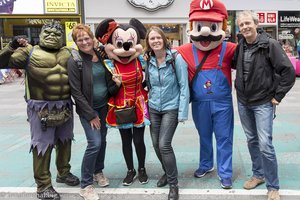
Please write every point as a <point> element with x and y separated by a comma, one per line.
<point>7,6</point>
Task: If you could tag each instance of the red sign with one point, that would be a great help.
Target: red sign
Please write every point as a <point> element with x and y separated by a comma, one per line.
<point>261,17</point>
<point>271,17</point>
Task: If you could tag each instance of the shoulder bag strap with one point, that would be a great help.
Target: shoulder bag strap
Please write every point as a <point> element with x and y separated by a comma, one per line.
<point>198,67</point>
<point>136,79</point>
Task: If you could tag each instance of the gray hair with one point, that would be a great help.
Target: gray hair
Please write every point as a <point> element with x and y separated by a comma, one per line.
<point>247,13</point>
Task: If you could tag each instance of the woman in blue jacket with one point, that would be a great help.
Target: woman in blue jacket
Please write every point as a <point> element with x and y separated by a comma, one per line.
<point>167,82</point>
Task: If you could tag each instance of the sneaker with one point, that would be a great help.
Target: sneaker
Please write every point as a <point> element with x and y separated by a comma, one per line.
<point>143,178</point>
<point>101,179</point>
<point>89,193</point>
<point>252,183</point>
<point>129,177</point>
<point>273,195</point>
<point>49,193</point>
<point>199,173</point>
<point>68,179</point>
<point>226,183</point>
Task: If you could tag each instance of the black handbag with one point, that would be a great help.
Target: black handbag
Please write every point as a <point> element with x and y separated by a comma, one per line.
<point>127,115</point>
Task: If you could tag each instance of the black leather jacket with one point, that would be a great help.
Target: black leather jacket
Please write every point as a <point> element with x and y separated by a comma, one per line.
<point>82,85</point>
<point>271,74</point>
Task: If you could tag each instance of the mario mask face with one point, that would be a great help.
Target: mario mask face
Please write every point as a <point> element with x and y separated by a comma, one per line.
<point>207,18</point>
<point>206,35</point>
<point>124,47</point>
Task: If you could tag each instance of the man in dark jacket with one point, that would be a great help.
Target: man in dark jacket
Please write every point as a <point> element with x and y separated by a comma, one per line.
<point>264,75</point>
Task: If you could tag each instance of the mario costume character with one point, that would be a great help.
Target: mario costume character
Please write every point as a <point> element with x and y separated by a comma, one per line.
<point>122,46</point>
<point>210,84</point>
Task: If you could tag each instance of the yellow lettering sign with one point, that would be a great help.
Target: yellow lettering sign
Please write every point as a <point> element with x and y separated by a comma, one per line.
<point>61,6</point>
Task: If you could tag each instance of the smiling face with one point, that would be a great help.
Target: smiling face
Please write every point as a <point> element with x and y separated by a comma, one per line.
<point>84,42</point>
<point>155,41</point>
<point>247,28</point>
<point>124,47</point>
<point>207,35</point>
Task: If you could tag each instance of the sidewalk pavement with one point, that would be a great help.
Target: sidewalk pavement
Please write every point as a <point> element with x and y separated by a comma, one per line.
<point>16,175</point>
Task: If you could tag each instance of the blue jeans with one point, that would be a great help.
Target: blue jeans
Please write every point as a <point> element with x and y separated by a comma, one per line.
<point>257,122</point>
<point>162,129</point>
<point>93,159</point>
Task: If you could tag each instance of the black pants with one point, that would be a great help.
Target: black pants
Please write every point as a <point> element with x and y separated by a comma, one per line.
<point>137,135</point>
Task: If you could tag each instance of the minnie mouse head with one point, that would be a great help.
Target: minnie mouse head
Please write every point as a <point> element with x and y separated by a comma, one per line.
<point>122,41</point>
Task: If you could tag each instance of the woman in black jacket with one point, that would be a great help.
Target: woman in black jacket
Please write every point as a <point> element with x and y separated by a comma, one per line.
<point>91,85</point>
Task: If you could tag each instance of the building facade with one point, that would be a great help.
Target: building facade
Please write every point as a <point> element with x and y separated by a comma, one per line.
<point>172,15</point>
<point>26,17</point>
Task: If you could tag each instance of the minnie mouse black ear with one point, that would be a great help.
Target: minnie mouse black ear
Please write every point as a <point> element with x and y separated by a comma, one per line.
<point>139,26</point>
<point>105,29</point>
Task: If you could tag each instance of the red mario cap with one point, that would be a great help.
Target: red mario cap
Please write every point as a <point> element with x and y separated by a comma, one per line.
<point>207,10</point>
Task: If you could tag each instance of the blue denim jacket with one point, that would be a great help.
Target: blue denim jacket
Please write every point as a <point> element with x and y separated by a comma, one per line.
<point>169,86</point>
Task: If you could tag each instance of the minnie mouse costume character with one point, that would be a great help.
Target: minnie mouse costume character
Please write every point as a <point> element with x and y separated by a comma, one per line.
<point>211,96</point>
<point>122,46</point>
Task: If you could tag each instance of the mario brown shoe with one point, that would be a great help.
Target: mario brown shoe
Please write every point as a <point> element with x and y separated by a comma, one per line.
<point>253,182</point>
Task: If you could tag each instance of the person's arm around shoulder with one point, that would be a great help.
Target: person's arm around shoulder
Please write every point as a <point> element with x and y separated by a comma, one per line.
<point>284,68</point>
<point>182,78</point>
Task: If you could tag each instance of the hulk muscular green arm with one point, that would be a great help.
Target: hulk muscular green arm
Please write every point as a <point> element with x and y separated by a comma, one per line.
<point>47,66</point>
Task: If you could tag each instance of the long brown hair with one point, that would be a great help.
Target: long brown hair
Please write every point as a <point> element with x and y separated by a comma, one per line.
<point>148,50</point>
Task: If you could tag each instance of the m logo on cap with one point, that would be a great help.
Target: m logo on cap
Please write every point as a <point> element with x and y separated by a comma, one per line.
<point>206,4</point>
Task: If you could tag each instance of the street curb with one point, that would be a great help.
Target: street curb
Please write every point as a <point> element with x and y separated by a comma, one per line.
<point>12,193</point>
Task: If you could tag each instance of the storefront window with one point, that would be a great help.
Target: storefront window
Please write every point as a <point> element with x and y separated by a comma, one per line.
<point>288,31</point>
<point>30,27</point>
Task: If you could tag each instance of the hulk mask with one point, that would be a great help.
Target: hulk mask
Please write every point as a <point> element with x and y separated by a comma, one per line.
<point>51,36</point>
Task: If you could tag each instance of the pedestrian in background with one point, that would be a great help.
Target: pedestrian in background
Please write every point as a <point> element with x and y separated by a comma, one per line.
<point>167,82</point>
<point>264,75</point>
<point>90,87</point>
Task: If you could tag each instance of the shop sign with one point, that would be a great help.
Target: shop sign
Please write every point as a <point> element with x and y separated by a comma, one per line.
<point>68,29</point>
<point>7,6</point>
<point>38,21</point>
<point>60,6</point>
<point>21,7</point>
<point>285,35</point>
<point>289,19</point>
<point>150,5</point>
<point>267,18</point>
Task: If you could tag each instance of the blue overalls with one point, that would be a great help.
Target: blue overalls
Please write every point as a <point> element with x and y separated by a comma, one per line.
<point>212,111</point>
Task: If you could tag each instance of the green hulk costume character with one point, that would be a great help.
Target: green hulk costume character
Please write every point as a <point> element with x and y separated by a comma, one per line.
<point>49,106</point>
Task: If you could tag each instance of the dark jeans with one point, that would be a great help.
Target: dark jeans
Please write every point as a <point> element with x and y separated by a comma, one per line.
<point>93,159</point>
<point>162,129</point>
